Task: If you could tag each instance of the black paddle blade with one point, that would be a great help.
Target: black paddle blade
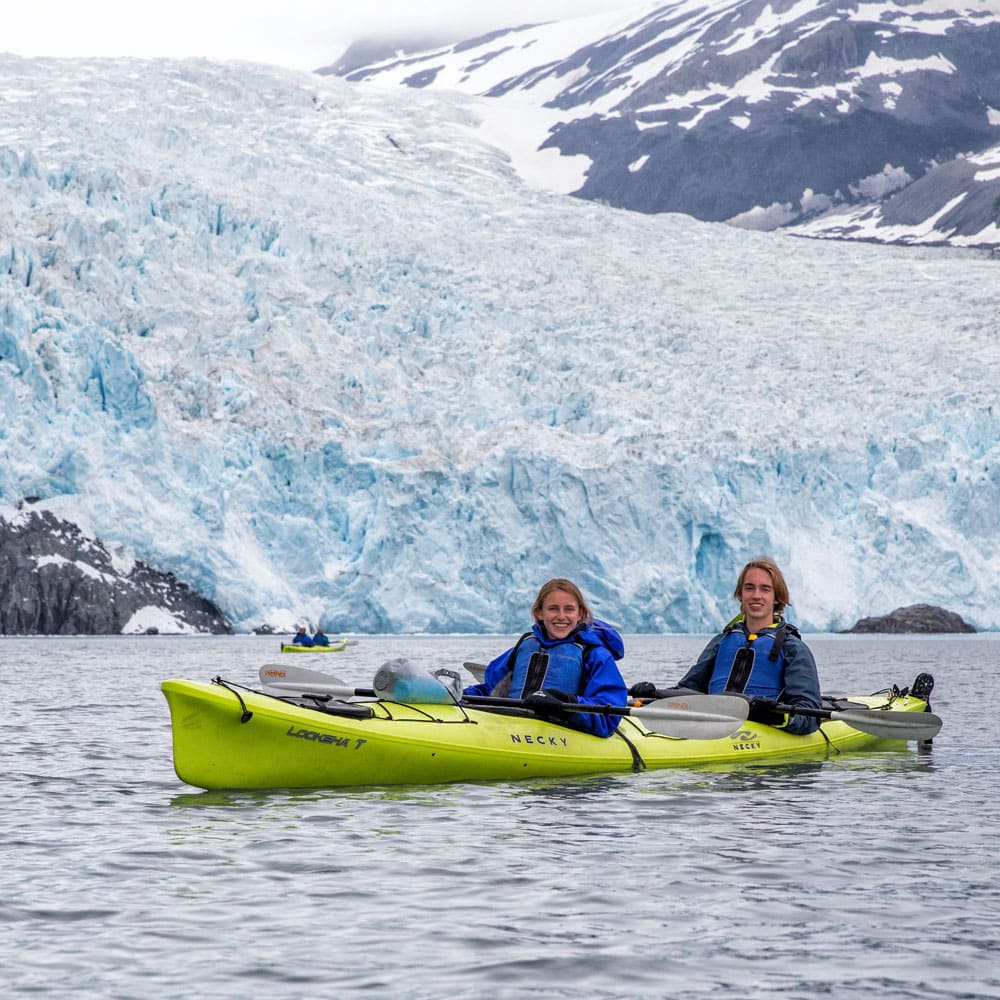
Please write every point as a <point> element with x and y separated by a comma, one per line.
<point>538,666</point>
<point>922,687</point>
<point>741,669</point>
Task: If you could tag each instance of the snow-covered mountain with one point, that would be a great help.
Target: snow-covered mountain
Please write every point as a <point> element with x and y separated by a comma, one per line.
<point>318,351</point>
<point>861,119</point>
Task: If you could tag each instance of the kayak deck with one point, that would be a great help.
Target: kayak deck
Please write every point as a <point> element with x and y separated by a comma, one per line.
<point>226,736</point>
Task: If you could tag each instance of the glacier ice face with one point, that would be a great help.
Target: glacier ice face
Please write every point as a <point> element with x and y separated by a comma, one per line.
<point>317,351</point>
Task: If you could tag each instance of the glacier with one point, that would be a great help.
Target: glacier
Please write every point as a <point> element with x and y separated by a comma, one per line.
<point>316,349</point>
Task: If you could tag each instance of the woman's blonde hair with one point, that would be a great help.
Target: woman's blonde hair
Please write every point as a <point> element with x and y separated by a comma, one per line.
<point>781,598</point>
<point>559,583</point>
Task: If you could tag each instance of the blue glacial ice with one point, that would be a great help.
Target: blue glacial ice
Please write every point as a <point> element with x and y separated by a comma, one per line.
<point>316,349</point>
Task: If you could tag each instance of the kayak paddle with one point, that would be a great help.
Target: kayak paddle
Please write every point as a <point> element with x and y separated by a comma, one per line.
<point>697,717</point>
<point>693,717</point>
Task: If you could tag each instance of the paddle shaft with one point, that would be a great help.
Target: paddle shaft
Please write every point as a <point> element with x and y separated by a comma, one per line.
<point>684,716</point>
<point>338,691</point>
<point>701,717</point>
<point>693,717</point>
<point>728,708</point>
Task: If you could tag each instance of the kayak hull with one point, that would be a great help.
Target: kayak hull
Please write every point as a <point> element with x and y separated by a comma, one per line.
<point>228,737</point>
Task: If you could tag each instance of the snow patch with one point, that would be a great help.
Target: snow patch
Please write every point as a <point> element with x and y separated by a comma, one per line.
<point>85,568</point>
<point>891,92</point>
<point>152,619</point>
<point>520,130</point>
<point>876,65</point>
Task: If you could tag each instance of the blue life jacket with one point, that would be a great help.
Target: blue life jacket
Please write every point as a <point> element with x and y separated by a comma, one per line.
<point>751,663</point>
<point>560,666</point>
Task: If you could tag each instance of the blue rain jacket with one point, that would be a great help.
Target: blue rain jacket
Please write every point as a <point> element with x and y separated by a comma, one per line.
<point>601,682</point>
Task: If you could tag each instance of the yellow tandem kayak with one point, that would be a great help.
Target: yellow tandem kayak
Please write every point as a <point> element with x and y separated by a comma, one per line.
<point>229,736</point>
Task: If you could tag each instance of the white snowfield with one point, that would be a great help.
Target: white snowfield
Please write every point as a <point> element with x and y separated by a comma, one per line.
<point>320,352</point>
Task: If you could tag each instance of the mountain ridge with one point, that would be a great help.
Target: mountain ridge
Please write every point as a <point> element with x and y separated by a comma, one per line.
<point>805,116</point>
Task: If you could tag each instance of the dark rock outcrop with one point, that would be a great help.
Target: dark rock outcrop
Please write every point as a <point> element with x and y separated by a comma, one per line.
<point>924,618</point>
<point>56,581</point>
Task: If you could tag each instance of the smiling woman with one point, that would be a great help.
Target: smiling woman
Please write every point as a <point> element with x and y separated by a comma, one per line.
<point>559,608</point>
<point>568,657</point>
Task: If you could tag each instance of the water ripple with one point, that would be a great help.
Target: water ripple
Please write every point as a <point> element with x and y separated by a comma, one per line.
<point>865,876</point>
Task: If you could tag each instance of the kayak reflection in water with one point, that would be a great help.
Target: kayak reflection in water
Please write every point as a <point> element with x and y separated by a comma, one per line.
<point>758,654</point>
<point>568,656</point>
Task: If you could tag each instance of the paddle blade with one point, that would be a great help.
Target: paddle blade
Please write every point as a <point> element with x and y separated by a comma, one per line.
<point>278,673</point>
<point>694,717</point>
<point>283,681</point>
<point>892,725</point>
<point>478,670</point>
<point>284,689</point>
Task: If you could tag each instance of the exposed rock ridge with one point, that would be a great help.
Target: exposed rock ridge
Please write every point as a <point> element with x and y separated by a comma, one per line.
<point>56,581</point>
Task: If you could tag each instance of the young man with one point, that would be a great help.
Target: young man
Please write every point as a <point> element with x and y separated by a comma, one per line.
<point>758,654</point>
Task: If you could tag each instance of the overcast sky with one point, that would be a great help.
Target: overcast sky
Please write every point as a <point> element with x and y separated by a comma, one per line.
<point>301,34</point>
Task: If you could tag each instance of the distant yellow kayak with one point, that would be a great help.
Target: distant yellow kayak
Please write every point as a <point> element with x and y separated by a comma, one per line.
<point>336,646</point>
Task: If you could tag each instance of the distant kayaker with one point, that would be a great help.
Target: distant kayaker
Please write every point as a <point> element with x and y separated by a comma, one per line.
<point>320,639</point>
<point>302,637</point>
<point>758,654</point>
<point>568,656</point>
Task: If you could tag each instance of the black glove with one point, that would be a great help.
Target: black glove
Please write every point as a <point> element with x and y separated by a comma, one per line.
<point>549,702</point>
<point>644,689</point>
<point>762,710</point>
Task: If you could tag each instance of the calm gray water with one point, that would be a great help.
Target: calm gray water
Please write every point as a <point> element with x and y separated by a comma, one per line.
<point>867,876</point>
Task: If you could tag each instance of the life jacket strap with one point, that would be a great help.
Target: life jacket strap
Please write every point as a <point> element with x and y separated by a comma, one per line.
<point>783,629</point>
